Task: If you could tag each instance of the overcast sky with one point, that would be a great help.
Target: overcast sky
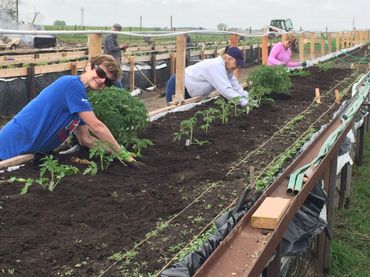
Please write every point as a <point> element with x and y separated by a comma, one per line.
<point>311,15</point>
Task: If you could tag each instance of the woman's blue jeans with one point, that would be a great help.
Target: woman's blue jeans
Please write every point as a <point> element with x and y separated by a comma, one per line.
<point>171,87</point>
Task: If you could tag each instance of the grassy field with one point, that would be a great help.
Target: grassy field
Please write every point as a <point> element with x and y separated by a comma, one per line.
<point>351,244</point>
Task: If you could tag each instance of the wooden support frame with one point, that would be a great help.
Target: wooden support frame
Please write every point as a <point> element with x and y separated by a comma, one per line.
<point>180,68</point>
<point>94,42</point>
<point>132,73</point>
<point>17,160</point>
<point>312,45</point>
<point>301,47</point>
<point>264,49</point>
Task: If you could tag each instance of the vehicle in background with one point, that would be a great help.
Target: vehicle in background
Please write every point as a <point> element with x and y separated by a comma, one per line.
<point>280,26</point>
<point>7,43</point>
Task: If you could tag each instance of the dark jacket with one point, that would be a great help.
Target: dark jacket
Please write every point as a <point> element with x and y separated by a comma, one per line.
<point>111,47</point>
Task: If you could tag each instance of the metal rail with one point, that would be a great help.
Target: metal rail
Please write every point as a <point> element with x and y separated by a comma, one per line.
<point>246,251</point>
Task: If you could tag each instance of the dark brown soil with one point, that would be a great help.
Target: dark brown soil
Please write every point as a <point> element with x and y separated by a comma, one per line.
<point>75,229</point>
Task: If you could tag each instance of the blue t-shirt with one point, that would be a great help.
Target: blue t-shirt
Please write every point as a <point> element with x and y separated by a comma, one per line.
<point>47,121</point>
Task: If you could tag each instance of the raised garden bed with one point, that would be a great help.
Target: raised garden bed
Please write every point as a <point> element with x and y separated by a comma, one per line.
<point>125,210</point>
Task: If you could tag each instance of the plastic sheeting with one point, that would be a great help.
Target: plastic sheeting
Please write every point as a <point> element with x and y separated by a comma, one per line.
<point>306,223</point>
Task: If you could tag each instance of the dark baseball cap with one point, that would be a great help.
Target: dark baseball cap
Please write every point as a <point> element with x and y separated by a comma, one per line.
<point>237,54</point>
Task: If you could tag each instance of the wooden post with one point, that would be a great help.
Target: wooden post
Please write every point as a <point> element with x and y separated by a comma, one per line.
<point>202,55</point>
<point>312,45</point>
<point>234,43</point>
<point>301,47</point>
<point>153,62</point>
<point>31,82</point>
<point>180,68</point>
<point>172,63</point>
<point>337,41</point>
<point>322,42</point>
<point>317,95</point>
<point>329,41</point>
<point>233,40</point>
<point>330,210</point>
<point>94,45</point>
<point>337,97</point>
<point>343,39</point>
<point>264,49</point>
<point>74,68</point>
<point>132,72</point>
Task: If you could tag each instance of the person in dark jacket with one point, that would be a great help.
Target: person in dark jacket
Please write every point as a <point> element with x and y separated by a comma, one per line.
<point>111,47</point>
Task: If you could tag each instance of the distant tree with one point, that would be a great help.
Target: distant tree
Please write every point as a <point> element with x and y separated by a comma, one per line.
<point>221,27</point>
<point>59,23</point>
<point>9,7</point>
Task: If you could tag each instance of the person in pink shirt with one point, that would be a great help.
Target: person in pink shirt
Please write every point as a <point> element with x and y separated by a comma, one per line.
<point>281,54</point>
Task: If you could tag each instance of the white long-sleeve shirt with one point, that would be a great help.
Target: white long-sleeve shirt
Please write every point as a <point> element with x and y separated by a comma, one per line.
<point>208,75</point>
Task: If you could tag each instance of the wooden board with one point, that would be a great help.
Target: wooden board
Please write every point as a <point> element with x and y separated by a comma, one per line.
<point>17,160</point>
<point>268,215</point>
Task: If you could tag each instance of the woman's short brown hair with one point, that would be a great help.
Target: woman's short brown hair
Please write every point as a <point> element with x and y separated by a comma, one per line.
<point>110,64</point>
<point>290,37</point>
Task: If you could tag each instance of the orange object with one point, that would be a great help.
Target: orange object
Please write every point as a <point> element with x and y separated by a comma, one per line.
<point>337,97</point>
<point>317,96</point>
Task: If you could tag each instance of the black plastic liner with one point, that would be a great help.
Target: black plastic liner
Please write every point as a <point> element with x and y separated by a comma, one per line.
<point>15,93</point>
<point>306,223</point>
<point>224,224</point>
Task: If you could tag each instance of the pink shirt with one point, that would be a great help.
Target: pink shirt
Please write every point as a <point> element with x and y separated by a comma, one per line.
<point>281,56</point>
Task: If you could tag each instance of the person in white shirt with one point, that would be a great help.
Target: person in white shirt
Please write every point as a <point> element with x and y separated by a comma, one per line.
<point>213,74</point>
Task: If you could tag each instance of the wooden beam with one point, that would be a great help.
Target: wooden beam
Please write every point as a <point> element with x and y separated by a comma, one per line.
<point>95,44</point>
<point>301,47</point>
<point>180,68</point>
<point>132,73</point>
<point>322,43</point>
<point>17,160</point>
<point>337,41</point>
<point>312,45</point>
<point>264,49</point>
<point>329,41</point>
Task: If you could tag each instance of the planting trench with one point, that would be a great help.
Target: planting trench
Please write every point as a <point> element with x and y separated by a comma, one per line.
<point>89,218</point>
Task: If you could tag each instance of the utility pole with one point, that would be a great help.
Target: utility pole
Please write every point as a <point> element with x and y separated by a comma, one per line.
<point>171,23</point>
<point>141,23</point>
<point>82,16</point>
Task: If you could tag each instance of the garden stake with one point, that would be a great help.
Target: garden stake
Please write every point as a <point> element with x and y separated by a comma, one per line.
<point>252,180</point>
<point>337,97</point>
<point>317,95</point>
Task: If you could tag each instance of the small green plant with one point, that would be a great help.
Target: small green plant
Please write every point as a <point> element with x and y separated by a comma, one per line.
<point>208,117</point>
<point>57,171</point>
<point>225,108</point>
<point>139,145</point>
<point>186,129</point>
<point>91,169</point>
<point>99,150</point>
<point>267,80</point>
<point>234,102</point>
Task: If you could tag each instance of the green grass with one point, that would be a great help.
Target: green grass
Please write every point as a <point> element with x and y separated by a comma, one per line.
<point>351,244</point>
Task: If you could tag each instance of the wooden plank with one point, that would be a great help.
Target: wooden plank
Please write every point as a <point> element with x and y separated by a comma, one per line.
<point>180,67</point>
<point>95,44</point>
<point>17,160</point>
<point>264,50</point>
<point>301,47</point>
<point>312,45</point>
<point>269,213</point>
